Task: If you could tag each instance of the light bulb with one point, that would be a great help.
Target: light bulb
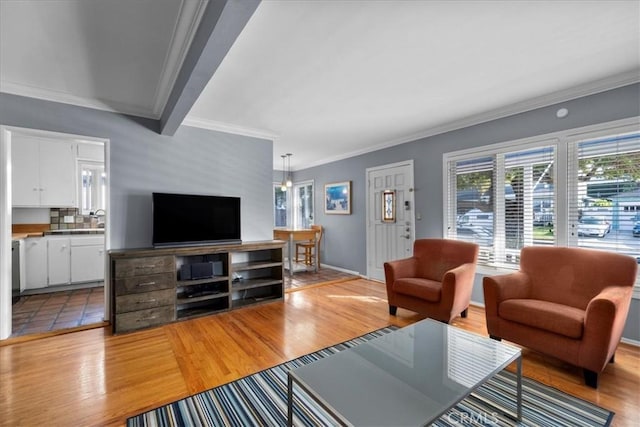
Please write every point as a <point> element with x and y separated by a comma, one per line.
<point>283,187</point>
<point>289,183</point>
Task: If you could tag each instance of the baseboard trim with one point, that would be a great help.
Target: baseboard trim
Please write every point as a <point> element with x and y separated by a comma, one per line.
<point>631,342</point>
<point>344,270</point>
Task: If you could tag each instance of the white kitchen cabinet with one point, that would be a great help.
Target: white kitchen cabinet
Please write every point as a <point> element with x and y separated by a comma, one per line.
<point>35,262</point>
<point>43,172</point>
<point>87,259</point>
<point>59,260</point>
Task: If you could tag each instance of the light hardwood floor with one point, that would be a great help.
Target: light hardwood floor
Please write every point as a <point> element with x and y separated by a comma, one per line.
<point>93,378</point>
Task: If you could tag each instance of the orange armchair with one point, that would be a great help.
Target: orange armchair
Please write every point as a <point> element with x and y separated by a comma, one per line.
<point>436,281</point>
<point>570,303</point>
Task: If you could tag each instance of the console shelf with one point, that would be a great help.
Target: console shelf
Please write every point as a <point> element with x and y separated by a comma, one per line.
<point>255,265</point>
<point>253,283</point>
<point>162,292</point>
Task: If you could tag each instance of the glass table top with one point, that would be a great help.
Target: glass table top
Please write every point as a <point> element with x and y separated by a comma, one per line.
<point>408,377</point>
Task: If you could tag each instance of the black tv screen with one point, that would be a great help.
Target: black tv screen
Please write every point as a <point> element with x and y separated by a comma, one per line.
<point>189,219</point>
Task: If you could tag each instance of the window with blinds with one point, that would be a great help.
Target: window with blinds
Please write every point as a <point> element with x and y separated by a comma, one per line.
<point>604,193</point>
<point>569,189</point>
<point>503,202</point>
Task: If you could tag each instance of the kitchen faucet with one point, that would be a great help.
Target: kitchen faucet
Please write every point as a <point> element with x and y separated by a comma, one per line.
<point>100,217</point>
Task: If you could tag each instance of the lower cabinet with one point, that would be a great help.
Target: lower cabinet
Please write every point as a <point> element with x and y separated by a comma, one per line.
<point>144,292</point>
<point>87,259</point>
<point>58,260</point>
<point>63,260</point>
<point>35,261</point>
<point>156,286</point>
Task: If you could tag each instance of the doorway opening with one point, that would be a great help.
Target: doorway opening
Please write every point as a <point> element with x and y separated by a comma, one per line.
<point>54,196</point>
<point>390,215</point>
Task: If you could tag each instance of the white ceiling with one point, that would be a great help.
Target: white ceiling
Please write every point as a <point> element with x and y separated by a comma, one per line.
<point>326,79</point>
<point>117,55</point>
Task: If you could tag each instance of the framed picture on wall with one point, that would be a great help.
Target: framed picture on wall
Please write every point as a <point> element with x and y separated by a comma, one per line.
<point>337,198</point>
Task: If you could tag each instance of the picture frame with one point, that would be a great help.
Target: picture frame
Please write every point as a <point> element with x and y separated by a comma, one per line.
<point>337,197</point>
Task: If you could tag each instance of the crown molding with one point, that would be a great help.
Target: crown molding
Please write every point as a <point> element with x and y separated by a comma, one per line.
<point>598,86</point>
<point>229,128</point>
<point>65,98</point>
<point>184,31</point>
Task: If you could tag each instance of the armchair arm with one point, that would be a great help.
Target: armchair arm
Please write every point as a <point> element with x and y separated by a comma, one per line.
<point>398,269</point>
<point>503,287</point>
<point>604,322</point>
<point>457,285</point>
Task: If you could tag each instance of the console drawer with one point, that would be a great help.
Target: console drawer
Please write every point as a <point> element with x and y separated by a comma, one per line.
<point>140,319</point>
<point>144,266</point>
<point>146,300</point>
<point>148,283</point>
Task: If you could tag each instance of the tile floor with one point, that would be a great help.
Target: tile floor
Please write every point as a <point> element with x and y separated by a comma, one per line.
<point>79,307</point>
<point>57,310</point>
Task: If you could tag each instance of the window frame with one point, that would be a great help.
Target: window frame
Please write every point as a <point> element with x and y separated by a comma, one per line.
<point>296,202</point>
<point>276,186</point>
<point>565,143</point>
<point>293,202</point>
<point>98,190</point>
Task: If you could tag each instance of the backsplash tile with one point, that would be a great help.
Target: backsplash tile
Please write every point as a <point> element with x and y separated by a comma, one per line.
<point>57,215</point>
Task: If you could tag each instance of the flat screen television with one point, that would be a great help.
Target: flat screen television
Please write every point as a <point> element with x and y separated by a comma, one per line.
<point>190,219</point>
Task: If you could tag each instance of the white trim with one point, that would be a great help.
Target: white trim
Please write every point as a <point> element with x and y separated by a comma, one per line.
<point>569,135</point>
<point>56,135</point>
<point>561,140</point>
<point>477,304</point>
<point>5,234</point>
<point>66,98</point>
<point>229,128</point>
<point>6,206</point>
<point>294,197</point>
<point>344,270</point>
<point>630,342</point>
<point>557,97</point>
<point>185,29</point>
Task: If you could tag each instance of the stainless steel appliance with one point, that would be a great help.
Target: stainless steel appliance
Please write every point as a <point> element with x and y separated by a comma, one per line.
<point>15,271</point>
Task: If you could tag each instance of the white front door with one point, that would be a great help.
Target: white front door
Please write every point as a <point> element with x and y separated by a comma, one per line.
<point>391,238</point>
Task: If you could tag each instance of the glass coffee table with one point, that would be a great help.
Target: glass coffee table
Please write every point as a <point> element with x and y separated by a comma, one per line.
<point>408,377</point>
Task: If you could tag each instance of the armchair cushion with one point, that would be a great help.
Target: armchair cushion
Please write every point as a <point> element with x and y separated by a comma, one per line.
<point>425,289</point>
<point>549,316</point>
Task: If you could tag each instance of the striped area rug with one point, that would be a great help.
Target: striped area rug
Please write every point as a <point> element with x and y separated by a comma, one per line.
<point>261,400</point>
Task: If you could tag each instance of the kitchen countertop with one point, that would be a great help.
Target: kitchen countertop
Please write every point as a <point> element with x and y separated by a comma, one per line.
<point>74,231</point>
<point>20,236</point>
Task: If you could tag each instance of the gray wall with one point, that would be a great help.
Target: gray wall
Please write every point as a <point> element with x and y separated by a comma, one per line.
<point>345,244</point>
<point>142,161</point>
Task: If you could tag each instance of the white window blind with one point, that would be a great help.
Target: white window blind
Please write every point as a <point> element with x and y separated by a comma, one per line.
<point>604,197</point>
<point>504,196</point>
<point>503,202</point>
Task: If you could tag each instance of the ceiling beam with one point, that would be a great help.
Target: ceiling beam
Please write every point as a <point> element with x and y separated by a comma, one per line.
<point>220,26</point>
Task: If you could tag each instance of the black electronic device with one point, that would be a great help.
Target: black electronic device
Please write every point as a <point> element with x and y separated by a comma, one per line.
<point>189,219</point>
<point>201,270</point>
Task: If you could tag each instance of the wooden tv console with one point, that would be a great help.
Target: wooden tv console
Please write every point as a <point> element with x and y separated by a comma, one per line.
<point>147,289</point>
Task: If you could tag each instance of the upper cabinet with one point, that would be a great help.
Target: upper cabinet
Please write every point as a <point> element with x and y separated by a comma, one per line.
<point>43,172</point>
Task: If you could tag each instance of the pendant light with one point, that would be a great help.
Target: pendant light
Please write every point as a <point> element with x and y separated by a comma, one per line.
<point>283,185</point>
<point>289,181</point>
